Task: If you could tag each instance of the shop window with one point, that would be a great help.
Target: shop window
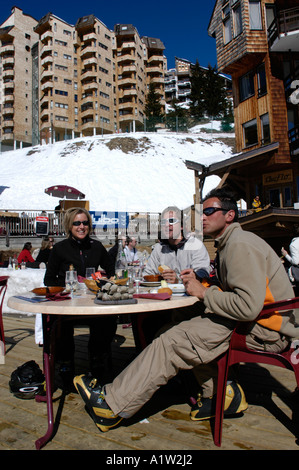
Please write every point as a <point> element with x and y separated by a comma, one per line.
<point>287,197</point>
<point>250,133</point>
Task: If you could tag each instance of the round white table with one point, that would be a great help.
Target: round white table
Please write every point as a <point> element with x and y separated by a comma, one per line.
<point>83,305</point>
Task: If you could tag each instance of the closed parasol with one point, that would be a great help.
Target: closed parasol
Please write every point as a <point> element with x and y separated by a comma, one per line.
<point>63,191</point>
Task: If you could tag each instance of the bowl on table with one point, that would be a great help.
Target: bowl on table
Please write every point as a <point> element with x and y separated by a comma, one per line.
<point>153,278</point>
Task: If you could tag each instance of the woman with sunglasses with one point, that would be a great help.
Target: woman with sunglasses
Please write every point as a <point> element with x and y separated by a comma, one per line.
<point>81,251</point>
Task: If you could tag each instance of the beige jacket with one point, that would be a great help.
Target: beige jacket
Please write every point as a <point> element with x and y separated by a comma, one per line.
<point>251,274</point>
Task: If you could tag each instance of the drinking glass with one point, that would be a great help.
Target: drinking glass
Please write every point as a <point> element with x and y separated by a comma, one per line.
<point>71,280</point>
<point>89,272</point>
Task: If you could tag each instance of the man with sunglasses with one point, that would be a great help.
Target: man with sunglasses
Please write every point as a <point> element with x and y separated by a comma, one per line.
<point>177,251</point>
<point>250,273</point>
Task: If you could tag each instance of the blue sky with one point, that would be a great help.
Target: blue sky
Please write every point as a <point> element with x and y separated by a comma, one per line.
<point>181,26</point>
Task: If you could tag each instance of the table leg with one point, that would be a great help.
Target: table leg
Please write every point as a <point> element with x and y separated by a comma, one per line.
<point>48,371</point>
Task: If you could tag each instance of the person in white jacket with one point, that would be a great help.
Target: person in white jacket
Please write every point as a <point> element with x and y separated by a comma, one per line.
<point>176,251</point>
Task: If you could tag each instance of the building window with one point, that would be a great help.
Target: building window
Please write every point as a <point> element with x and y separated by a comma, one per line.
<point>226,18</point>
<point>265,128</point>
<point>261,80</point>
<point>250,133</point>
<point>246,86</point>
<point>255,15</point>
<point>237,18</point>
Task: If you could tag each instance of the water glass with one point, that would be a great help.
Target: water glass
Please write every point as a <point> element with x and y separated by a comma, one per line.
<point>71,280</point>
<point>89,272</point>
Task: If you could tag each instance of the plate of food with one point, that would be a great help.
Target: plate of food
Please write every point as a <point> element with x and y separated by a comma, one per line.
<point>47,290</point>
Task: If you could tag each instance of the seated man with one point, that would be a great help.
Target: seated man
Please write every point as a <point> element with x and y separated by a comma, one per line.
<point>250,273</point>
<point>175,251</point>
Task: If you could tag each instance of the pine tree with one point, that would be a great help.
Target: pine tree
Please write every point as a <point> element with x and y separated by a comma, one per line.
<point>153,107</point>
<point>215,101</point>
<point>197,79</point>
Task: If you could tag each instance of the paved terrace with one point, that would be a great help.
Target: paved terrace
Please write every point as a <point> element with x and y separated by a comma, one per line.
<point>270,423</point>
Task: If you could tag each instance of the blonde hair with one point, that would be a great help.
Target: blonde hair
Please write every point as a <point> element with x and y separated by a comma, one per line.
<point>70,215</point>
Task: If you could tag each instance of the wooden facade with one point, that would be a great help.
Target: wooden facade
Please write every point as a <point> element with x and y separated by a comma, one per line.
<point>261,73</point>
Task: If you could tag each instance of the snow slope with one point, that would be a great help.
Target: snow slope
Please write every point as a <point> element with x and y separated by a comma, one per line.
<point>119,172</point>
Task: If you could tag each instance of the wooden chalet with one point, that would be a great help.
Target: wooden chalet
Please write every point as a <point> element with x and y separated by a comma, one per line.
<point>257,44</point>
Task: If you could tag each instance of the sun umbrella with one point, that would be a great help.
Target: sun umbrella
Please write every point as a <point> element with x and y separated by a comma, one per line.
<point>63,191</point>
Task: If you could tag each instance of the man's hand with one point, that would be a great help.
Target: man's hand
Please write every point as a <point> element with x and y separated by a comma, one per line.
<point>170,276</point>
<point>192,285</point>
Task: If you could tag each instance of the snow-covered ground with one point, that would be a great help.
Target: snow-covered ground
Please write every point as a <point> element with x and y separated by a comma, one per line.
<point>147,178</point>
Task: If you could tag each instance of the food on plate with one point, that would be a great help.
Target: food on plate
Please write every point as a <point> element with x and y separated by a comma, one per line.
<point>164,289</point>
<point>111,291</point>
<point>162,268</point>
<point>47,290</point>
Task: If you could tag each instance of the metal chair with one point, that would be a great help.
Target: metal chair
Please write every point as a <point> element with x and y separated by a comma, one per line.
<point>239,352</point>
<point>3,287</point>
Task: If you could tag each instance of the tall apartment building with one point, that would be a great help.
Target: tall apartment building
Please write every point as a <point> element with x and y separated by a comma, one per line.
<point>84,79</point>
<point>17,37</point>
<point>178,82</point>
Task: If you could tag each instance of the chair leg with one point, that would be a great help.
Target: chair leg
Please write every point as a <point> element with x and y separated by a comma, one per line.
<point>220,397</point>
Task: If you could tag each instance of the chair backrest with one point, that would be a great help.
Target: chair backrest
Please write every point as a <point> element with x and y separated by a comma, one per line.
<point>238,340</point>
<point>3,287</point>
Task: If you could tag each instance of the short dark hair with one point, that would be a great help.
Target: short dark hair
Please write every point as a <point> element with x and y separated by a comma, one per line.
<point>227,199</point>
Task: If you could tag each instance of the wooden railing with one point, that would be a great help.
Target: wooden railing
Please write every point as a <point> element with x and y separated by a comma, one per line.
<point>285,22</point>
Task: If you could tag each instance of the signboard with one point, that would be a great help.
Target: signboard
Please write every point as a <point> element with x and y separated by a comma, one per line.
<point>278,177</point>
<point>41,225</point>
<point>104,220</point>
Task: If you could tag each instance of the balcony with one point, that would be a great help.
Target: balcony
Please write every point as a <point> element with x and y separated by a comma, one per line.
<point>283,33</point>
<point>47,85</point>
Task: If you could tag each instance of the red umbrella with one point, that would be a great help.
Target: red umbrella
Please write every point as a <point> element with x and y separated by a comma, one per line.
<point>63,191</point>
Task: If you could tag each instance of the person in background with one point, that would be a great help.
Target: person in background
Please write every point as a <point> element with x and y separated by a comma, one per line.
<point>293,256</point>
<point>130,250</point>
<point>25,255</point>
<point>81,251</point>
<point>176,251</point>
<point>256,204</point>
<point>45,250</point>
<point>250,274</point>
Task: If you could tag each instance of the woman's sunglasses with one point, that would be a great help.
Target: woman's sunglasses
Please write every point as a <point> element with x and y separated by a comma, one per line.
<point>77,223</point>
<point>210,210</point>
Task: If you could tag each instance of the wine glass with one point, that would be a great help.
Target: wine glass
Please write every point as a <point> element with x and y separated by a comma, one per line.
<point>71,280</point>
<point>89,272</point>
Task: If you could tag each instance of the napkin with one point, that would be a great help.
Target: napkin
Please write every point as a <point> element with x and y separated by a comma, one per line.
<point>58,297</point>
<point>162,296</point>
<point>53,297</point>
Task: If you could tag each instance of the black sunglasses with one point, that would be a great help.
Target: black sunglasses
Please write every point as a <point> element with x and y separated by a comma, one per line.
<point>79,222</point>
<point>171,221</point>
<point>210,210</point>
